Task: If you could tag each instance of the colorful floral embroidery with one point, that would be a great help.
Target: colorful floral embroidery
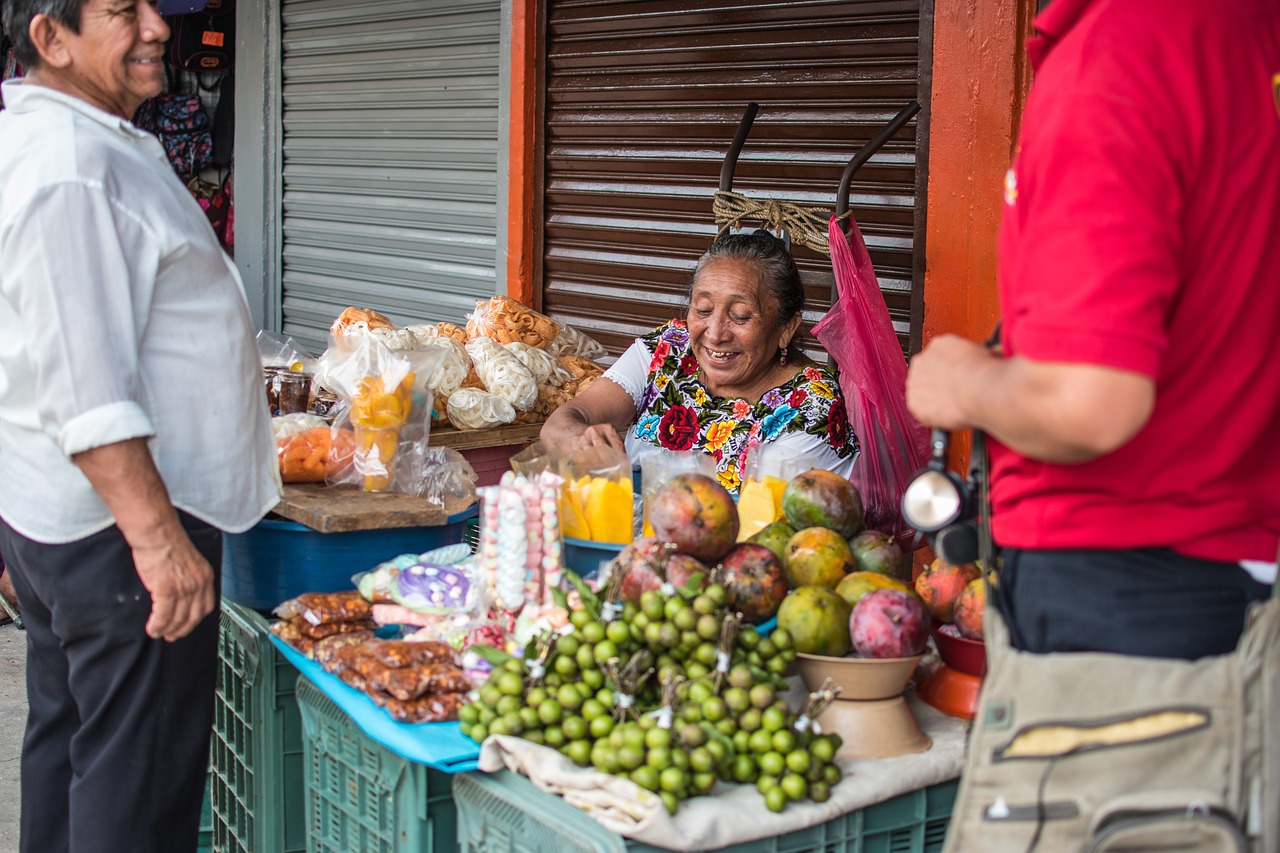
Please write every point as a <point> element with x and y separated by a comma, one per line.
<point>682,414</point>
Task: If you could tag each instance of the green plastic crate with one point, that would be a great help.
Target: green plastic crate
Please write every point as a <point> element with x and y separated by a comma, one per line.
<point>256,762</point>
<point>205,842</point>
<point>361,796</point>
<point>504,813</point>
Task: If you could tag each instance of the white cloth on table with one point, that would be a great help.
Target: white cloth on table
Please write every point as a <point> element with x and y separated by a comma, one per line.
<point>732,814</point>
<point>120,317</point>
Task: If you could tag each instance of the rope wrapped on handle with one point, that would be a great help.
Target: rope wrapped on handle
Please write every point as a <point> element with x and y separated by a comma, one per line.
<point>806,225</point>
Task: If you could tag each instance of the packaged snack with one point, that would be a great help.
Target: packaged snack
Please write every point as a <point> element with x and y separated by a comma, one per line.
<point>542,364</point>
<point>305,457</point>
<point>432,708</point>
<point>352,316</point>
<point>471,408</point>
<point>502,373</point>
<point>324,651</point>
<point>572,342</point>
<point>396,338</point>
<point>451,330</point>
<point>329,629</point>
<point>410,682</point>
<point>507,321</point>
<point>400,653</point>
<point>580,368</point>
<point>319,607</point>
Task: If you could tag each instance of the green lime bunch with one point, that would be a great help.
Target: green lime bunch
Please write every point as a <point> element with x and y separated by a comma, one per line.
<point>714,712</point>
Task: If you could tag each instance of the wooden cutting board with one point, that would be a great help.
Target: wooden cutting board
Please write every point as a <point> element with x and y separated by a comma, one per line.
<point>342,509</point>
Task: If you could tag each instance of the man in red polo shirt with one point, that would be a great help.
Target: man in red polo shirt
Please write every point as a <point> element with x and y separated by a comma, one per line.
<point>1135,409</point>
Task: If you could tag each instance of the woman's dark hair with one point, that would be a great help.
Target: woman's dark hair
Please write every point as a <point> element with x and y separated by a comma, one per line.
<point>17,23</point>
<point>770,258</point>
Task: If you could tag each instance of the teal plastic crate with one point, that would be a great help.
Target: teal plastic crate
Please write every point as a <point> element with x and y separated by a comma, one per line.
<point>363,797</point>
<point>255,779</point>
<point>204,844</point>
<point>504,813</point>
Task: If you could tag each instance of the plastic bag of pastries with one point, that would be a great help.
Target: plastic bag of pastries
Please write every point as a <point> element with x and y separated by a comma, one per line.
<point>353,315</point>
<point>542,364</point>
<point>451,330</point>
<point>431,708</point>
<point>507,321</point>
<point>472,408</point>
<point>503,373</point>
<point>319,607</point>
<point>572,342</point>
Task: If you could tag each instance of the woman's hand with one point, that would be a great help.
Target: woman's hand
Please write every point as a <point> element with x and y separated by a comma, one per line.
<point>600,435</point>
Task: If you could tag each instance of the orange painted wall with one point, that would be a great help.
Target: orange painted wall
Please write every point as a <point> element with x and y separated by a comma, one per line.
<point>522,143</point>
<point>980,79</point>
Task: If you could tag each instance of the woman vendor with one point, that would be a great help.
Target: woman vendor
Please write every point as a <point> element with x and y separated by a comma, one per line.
<point>727,376</point>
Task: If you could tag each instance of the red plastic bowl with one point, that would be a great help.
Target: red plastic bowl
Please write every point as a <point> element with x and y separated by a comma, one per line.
<point>967,656</point>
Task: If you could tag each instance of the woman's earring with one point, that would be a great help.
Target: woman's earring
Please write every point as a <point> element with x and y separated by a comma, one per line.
<point>782,356</point>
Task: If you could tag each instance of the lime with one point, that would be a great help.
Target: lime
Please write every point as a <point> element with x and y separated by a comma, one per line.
<point>498,727</point>
<point>819,792</point>
<point>704,782</point>
<point>487,715</point>
<point>761,695</point>
<point>831,774</point>
<point>579,752</point>
<point>490,694</point>
<point>605,649</point>
<point>776,665</point>
<point>633,736</point>
<point>646,777</point>
<point>708,627</point>
<point>693,669</point>
<point>673,780</point>
<point>592,708</point>
<point>773,719</point>
<point>740,676</point>
<point>550,713</point>
<point>657,737</point>
<point>592,632</point>
<point>699,691</point>
<point>705,605</point>
<point>604,696</point>
<point>737,699</point>
<point>468,714</point>
<point>617,633</point>
<point>748,639</point>
<point>569,697</point>
<point>479,732</point>
<point>795,786</point>
<point>718,751</point>
<point>578,618</point>
<point>750,720</point>
<point>533,736</point>
<point>670,800</point>
<point>685,618</point>
<point>601,726</point>
<point>630,610</point>
<point>593,678</point>
<point>528,718</point>
<point>773,764</point>
<point>536,696</point>
<point>680,758</point>
<point>568,645</point>
<point>554,736</point>
<point>784,740</point>
<point>659,757</point>
<point>717,593</point>
<point>760,742</point>
<point>799,761</point>
<point>701,760</point>
<point>629,758</point>
<point>585,656</point>
<point>706,654</point>
<point>781,639</point>
<point>566,666</point>
<point>766,648</point>
<point>728,726</point>
<point>673,606</point>
<point>575,728</point>
<point>823,749</point>
<point>507,704</point>
<point>775,799</point>
<point>715,709</point>
<point>744,769</point>
<point>741,742</point>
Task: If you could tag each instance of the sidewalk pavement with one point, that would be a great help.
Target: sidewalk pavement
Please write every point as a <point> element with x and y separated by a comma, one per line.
<point>13,719</point>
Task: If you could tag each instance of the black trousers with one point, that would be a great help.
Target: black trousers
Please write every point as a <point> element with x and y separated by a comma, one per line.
<point>117,742</point>
<point>1147,602</point>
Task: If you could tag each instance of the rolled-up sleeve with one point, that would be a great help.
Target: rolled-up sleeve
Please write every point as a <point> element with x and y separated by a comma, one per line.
<point>83,270</point>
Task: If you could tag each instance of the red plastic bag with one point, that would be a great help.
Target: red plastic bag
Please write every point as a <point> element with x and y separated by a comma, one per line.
<point>859,335</point>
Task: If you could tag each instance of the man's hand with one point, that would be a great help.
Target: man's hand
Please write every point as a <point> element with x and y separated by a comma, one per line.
<point>178,577</point>
<point>180,581</point>
<point>938,380</point>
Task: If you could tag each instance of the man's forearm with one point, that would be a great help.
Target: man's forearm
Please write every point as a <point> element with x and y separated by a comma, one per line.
<point>125,477</point>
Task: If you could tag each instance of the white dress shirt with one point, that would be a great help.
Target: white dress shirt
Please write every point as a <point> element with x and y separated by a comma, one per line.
<point>120,317</point>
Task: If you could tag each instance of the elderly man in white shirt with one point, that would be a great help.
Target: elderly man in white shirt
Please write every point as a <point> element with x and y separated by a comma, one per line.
<point>133,429</point>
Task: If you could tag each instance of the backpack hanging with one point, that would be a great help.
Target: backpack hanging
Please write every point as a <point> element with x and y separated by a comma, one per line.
<point>204,41</point>
<point>182,126</point>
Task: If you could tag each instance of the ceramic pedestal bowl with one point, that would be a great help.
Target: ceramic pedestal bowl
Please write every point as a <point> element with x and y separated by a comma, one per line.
<point>953,687</point>
<point>870,714</point>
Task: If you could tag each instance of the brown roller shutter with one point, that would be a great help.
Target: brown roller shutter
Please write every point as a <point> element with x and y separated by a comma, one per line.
<point>641,100</point>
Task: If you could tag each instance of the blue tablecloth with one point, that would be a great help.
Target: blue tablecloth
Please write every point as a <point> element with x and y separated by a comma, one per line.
<point>439,745</point>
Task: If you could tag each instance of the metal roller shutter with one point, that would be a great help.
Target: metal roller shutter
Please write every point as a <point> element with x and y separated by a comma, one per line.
<point>641,102</point>
<point>390,159</point>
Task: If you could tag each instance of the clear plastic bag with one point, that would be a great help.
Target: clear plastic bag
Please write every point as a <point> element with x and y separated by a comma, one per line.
<point>447,478</point>
<point>502,373</point>
<point>858,334</point>
<point>285,352</point>
<point>766,470</point>
<point>543,365</point>
<point>471,408</point>
<point>572,342</point>
<point>507,321</point>
<point>596,500</point>
<point>388,406</point>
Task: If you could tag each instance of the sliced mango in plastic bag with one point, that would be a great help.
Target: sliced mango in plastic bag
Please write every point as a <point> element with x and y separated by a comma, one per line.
<point>609,510</point>
<point>573,523</point>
